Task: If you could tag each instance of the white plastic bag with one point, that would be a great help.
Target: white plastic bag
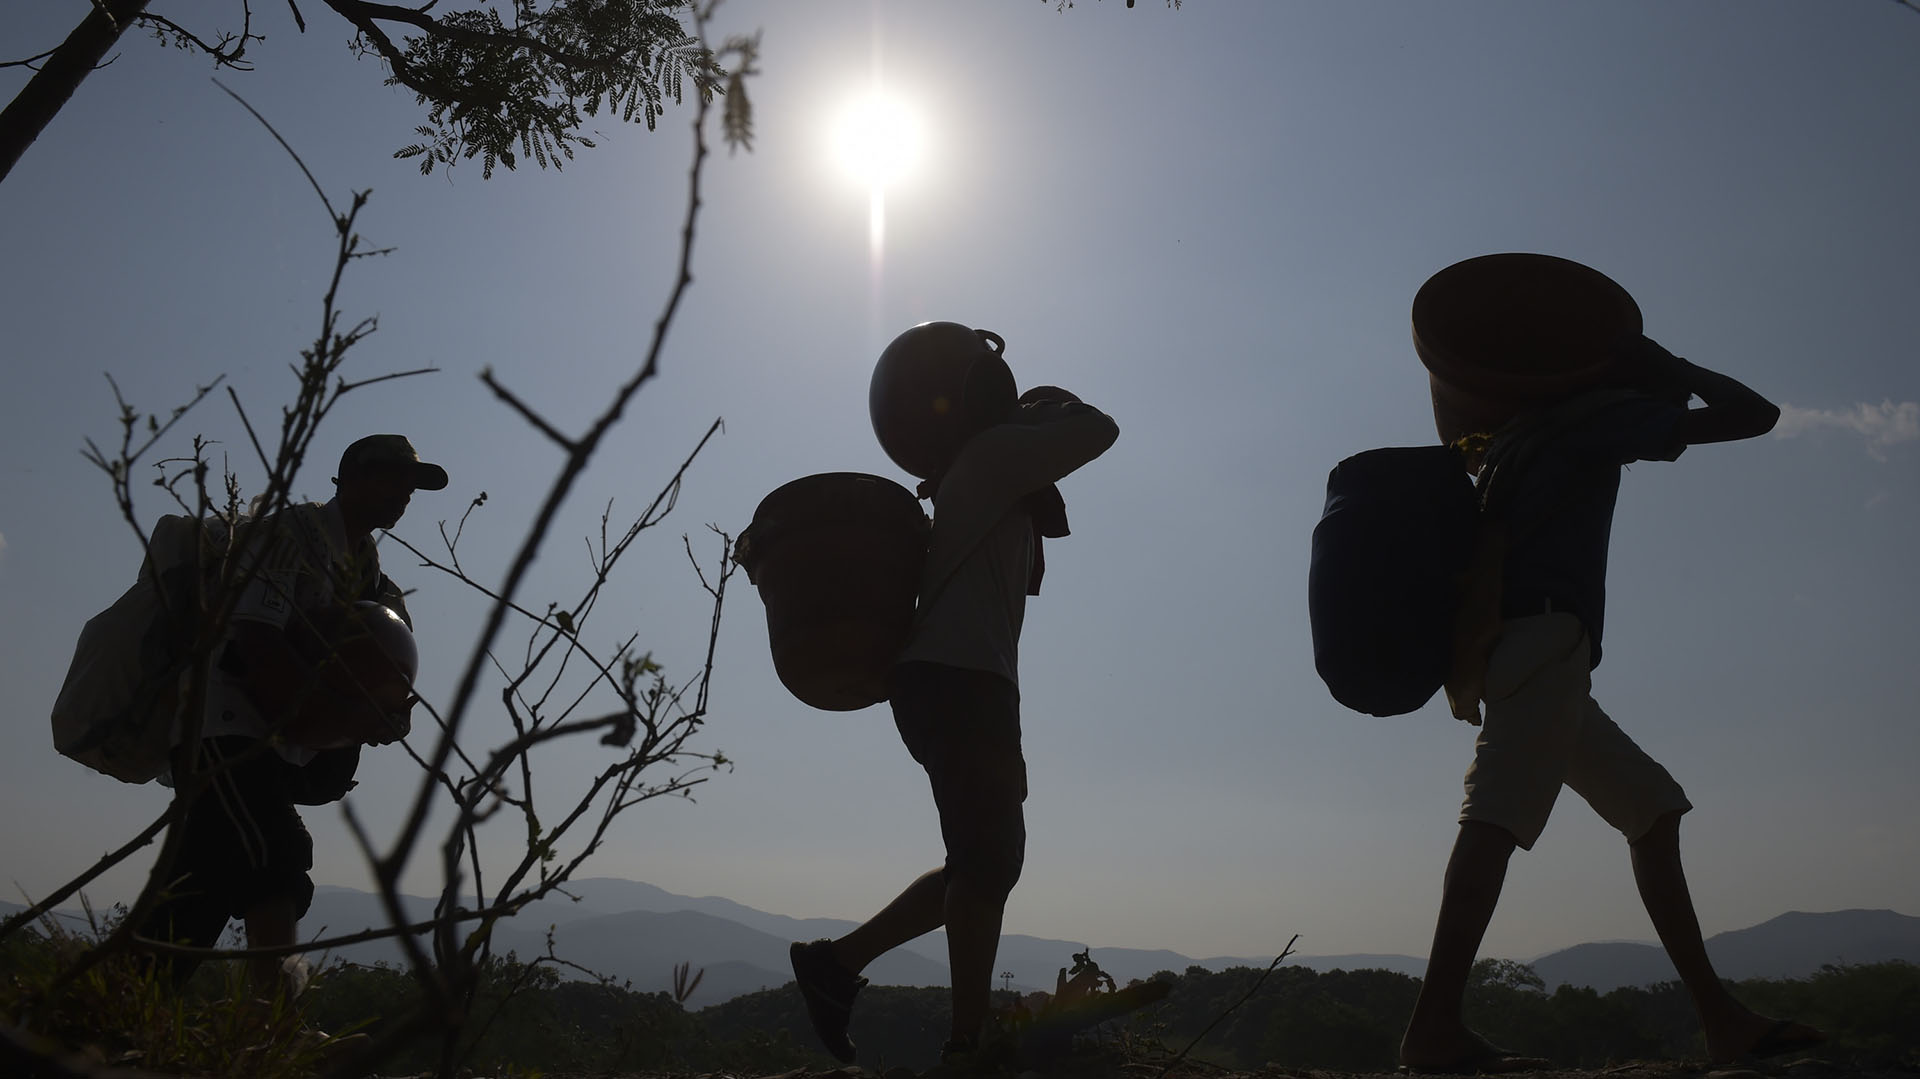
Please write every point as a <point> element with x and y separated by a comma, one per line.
<point>116,709</point>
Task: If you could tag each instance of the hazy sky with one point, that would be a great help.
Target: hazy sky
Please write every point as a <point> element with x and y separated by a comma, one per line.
<point>1210,223</point>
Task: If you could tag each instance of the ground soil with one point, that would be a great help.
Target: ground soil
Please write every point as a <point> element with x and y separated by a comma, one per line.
<point>1808,1068</point>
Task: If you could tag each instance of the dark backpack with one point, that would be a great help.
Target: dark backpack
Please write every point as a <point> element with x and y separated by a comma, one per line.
<point>1392,552</point>
<point>1389,555</point>
<point>117,706</point>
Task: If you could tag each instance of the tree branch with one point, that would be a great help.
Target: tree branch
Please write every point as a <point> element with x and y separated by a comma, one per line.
<point>220,52</point>
<point>1231,1008</point>
<point>582,450</point>
<point>66,67</point>
<point>32,60</point>
<point>361,14</point>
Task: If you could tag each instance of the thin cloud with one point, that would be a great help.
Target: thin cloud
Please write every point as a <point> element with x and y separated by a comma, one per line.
<point>1884,425</point>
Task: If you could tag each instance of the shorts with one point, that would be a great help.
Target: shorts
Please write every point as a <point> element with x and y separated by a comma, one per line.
<point>243,843</point>
<point>963,727</point>
<point>1544,729</point>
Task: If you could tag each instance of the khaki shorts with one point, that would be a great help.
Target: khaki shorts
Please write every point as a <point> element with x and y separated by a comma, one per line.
<point>1543,729</point>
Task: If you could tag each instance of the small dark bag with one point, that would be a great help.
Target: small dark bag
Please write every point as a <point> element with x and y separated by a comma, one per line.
<point>326,778</point>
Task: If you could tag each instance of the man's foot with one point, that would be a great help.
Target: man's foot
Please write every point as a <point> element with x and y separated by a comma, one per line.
<point>967,1058</point>
<point>332,1047</point>
<point>295,975</point>
<point>1758,1037</point>
<point>1466,1054</point>
<point>828,989</point>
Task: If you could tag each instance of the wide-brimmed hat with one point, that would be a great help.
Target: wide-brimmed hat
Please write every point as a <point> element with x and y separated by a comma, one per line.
<point>382,452</point>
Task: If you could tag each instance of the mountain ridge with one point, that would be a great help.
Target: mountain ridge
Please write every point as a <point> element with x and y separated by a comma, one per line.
<point>636,932</point>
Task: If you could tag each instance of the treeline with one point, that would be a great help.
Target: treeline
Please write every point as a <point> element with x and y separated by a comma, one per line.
<point>1352,1020</point>
<point>1339,1020</point>
<point>528,1018</point>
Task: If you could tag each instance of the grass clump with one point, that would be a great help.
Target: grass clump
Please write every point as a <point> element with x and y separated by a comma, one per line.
<point>119,1012</point>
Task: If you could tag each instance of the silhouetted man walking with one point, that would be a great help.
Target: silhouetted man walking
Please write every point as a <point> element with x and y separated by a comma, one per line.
<point>956,702</point>
<point>1529,640</point>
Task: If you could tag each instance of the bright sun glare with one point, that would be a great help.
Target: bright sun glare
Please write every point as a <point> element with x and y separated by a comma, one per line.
<point>878,140</point>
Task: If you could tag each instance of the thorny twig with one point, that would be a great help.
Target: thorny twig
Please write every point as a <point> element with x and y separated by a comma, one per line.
<point>229,51</point>
<point>1231,1008</point>
<point>581,450</point>
<point>657,716</point>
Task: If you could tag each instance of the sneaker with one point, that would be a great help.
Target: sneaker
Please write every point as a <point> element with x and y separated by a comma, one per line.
<point>828,989</point>
<point>967,1058</point>
<point>328,1048</point>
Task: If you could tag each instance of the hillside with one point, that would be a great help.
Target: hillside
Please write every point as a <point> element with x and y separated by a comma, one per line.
<point>1790,946</point>
<point>636,933</point>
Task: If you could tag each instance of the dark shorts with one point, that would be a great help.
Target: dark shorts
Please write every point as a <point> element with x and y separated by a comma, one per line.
<point>963,727</point>
<point>243,842</point>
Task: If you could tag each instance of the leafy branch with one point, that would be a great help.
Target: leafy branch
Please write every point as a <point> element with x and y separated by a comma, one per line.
<point>500,88</point>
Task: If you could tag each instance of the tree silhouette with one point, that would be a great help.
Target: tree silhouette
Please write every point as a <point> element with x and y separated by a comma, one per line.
<point>499,89</point>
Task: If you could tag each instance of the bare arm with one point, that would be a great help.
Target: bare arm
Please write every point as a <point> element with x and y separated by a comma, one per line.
<point>1021,457</point>
<point>1733,411</point>
<point>1000,465</point>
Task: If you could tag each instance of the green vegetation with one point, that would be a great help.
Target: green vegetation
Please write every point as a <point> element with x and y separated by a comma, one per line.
<point>500,90</point>
<point>118,1012</point>
<point>1351,1020</point>
<point>526,1018</point>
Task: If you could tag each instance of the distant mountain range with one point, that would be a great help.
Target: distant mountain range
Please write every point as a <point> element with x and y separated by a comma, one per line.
<point>1792,945</point>
<point>635,932</point>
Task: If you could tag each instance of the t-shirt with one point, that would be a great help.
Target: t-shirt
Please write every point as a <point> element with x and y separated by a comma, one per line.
<point>1560,513</point>
<point>973,591</point>
<point>307,565</point>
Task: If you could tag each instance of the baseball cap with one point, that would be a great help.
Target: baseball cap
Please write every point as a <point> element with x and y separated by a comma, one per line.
<point>392,451</point>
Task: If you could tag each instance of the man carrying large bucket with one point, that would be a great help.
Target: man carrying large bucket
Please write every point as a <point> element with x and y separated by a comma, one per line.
<point>944,407</point>
<point>1541,372</point>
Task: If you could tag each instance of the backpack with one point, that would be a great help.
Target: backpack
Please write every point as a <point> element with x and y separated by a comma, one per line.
<point>116,708</point>
<point>1389,555</point>
<point>1399,546</point>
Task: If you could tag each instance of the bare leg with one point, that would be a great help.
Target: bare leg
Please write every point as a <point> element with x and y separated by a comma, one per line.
<point>919,910</point>
<point>270,924</point>
<point>973,915</point>
<point>1437,1034</point>
<point>1732,1029</point>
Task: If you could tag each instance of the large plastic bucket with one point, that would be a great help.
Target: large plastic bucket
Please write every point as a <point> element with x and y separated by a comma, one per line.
<point>1503,333</point>
<point>837,560</point>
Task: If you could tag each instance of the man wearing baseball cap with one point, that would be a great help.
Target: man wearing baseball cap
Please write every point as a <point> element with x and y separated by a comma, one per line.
<point>245,852</point>
<point>391,453</point>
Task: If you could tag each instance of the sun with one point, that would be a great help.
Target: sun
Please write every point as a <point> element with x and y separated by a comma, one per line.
<point>877,140</point>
